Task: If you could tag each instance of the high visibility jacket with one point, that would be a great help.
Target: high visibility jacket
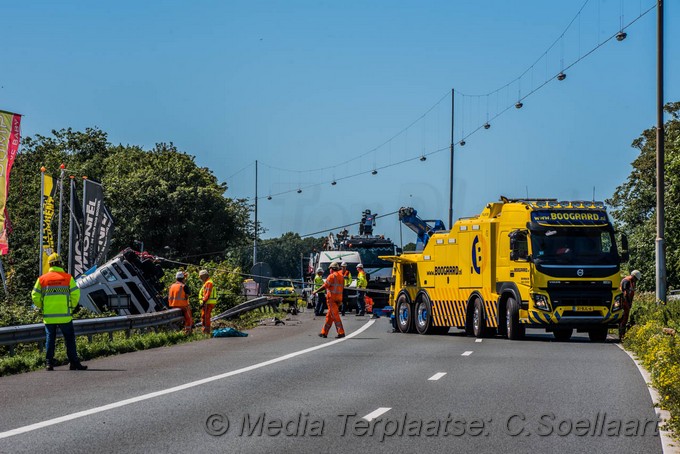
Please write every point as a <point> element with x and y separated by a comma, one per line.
<point>177,297</point>
<point>57,294</point>
<point>347,276</point>
<point>362,282</point>
<point>318,283</point>
<point>208,294</point>
<point>334,284</point>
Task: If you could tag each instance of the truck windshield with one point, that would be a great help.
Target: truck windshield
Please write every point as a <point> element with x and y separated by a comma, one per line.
<point>369,256</point>
<point>584,246</point>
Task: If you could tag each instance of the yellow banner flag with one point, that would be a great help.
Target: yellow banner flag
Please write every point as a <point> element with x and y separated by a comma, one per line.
<point>49,190</point>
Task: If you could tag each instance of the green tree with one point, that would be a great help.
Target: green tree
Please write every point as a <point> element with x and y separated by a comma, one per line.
<point>160,197</point>
<point>634,203</point>
<point>286,255</point>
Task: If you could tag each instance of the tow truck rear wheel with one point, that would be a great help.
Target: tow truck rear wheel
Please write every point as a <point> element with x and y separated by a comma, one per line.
<point>563,334</point>
<point>598,334</point>
<point>423,316</point>
<point>513,327</point>
<point>478,319</point>
<point>404,315</point>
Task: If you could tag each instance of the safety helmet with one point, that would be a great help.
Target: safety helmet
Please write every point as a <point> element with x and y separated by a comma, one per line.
<point>203,273</point>
<point>53,258</point>
<point>334,266</point>
<point>359,265</point>
<point>179,275</point>
<point>343,264</point>
<point>636,274</point>
<point>319,270</point>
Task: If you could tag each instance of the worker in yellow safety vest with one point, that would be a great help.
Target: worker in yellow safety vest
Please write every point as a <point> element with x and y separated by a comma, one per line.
<point>207,297</point>
<point>347,277</point>
<point>57,294</point>
<point>321,294</point>
<point>362,283</point>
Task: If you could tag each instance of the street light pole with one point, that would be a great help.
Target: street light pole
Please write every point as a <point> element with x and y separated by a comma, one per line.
<point>660,215</point>
<point>451,168</point>
<point>255,240</point>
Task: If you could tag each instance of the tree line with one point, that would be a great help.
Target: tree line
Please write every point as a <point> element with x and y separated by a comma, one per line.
<point>179,210</point>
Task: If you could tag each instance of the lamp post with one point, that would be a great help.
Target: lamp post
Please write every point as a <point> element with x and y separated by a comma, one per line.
<point>660,215</point>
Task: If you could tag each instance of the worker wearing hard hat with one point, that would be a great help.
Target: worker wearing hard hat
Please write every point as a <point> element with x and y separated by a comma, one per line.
<point>57,294</point>
<point>207,298</point>
<point>178,297</point>
<point>362,283</point>
<point>334,285</point>
<point>321,294</point>
<point>628,288</point>
<point>347,280</point>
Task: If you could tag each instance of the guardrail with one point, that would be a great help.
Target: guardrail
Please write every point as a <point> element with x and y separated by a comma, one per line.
<point>13,335</point>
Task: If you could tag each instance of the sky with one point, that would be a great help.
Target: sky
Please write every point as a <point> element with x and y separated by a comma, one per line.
<point>323,91</point>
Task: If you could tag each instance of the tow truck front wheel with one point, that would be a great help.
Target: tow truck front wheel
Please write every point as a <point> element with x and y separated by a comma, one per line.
<point>404,315</point>
<point>514,329</point>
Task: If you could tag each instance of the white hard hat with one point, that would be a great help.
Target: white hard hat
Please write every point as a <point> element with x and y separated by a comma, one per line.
<point>203,273</point>
<point>319,270</point>
<point>343,264</point>
<point>636,274</point>
<point>359,265</point>
<point>179,275</point>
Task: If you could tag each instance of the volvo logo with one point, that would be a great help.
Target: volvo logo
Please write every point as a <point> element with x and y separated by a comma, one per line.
<point>579,273</point>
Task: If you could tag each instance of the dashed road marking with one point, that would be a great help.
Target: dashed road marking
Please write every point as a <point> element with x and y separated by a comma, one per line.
<point>468,353</point>
<point>478,340</point>
<point>375,413</point>
<point>437,376</point>
<point>163,392</point>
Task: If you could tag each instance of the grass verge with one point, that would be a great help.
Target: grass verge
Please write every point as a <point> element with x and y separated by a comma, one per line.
<point>654,340</point>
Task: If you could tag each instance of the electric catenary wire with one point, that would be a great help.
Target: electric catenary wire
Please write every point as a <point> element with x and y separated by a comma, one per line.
<point>469,99</point>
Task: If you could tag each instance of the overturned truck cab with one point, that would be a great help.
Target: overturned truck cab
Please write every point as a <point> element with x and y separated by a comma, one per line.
<point>127,284</point>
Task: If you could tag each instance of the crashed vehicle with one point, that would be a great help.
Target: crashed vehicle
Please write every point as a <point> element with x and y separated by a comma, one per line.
<point>284,289</point>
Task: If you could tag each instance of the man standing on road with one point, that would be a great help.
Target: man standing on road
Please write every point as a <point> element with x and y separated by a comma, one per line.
<point>321,294</point>
<point>362,283</point>
<point>628,289</point>
<point>334,285</point>
<point>178,297</point>
<point>347,280</point>
<point>207,297</point>
<point>57,294</point>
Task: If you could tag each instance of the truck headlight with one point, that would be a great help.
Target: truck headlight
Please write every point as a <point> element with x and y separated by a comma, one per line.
<point>617,303</point>
<point>540,301</point>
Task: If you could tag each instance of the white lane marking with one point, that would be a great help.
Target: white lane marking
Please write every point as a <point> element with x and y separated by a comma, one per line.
<point>174,389</point>
<point>437,376</point>
<point>375,413</point>
<point>468,353</point>
<point>478,340</point>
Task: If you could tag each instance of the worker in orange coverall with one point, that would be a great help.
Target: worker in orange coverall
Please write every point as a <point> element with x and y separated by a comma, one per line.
<point>334,286</point>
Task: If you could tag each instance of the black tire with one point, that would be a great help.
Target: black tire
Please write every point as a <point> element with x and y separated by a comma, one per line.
<point>598,334</point>
<point>478,319</point>
<point>423,316</point>
<point>404,315</point>
<point>514,329</point>
<point>563,334</point>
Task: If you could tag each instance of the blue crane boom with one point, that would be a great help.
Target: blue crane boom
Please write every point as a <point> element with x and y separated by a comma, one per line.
<point>409,217</point>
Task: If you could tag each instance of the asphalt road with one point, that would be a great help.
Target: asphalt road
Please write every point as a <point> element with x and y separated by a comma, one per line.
<point>283,389</point>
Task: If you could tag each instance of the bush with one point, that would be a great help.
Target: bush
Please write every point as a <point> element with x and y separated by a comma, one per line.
<point>657,351</point>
